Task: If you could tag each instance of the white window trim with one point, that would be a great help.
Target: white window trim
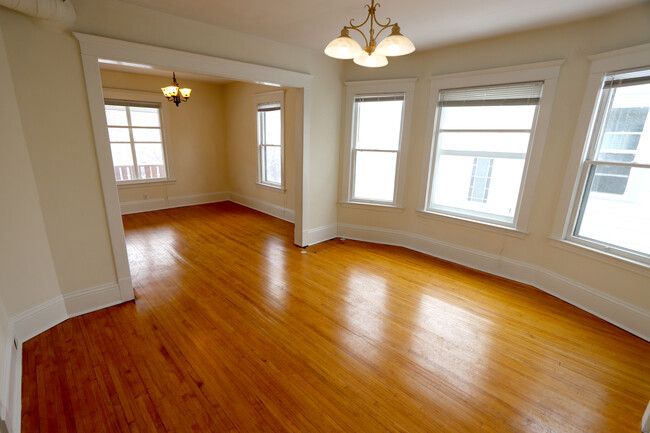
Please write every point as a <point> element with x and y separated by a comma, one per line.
<point>601,65</point>
<point>138,96</point>
<point>355,88</point>
<point>262,98</point>
<point>543,71</point>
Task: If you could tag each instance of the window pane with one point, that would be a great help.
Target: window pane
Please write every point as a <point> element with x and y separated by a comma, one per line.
<point>379,124</point>
<point>151,160</point>
<point>488,117</point>
<point>374,175</point>
<point>273,131</point>
<point>510,142</point>
<point>119,134</point>
<point>272,164</point>
<point>146,134</point>
<point>116,115</point>
<point>122,161</point>
<point>496,180</point>
<point>144,116</point>
<point>621,217</point>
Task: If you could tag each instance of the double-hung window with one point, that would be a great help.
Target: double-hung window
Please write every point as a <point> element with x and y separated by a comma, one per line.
<point>378,119</point>
<point>136,140</point>
<point>482,139</point>
<point>270,139</point>
<point>487,136</point>
<point>612,208</point>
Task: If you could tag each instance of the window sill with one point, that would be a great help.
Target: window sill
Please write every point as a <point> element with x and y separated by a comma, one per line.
<point>145,183</point>
<point>371,206</point>
<point>480,225</point>
<point>271,187</point>
<point>625,263</point>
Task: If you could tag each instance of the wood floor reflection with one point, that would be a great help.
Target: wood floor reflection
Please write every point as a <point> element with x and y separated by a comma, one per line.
<point>234,330</point>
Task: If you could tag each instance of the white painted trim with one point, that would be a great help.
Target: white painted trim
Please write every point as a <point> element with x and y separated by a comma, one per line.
<point>14,381</point>
<point>575,174</point>
<point>280,212</point>
<point>38,319</point>
<point>478,225</point>
<point>356,88</point>
<point>548,72</point>
<point>130,207</point>
<point>95,47</point>
<point>322,234</point>
<point>93,299</point>
<point>622,314</point>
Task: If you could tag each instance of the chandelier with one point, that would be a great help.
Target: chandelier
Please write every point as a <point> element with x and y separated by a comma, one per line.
<point>174,93</point>
<point>372,55</point>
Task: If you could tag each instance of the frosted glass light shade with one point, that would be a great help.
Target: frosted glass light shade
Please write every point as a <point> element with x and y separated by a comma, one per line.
<point>185,93</point>
<point>170,91</point>
<point>344,47</point>
<point>373,60</point>
<point>395,45</point>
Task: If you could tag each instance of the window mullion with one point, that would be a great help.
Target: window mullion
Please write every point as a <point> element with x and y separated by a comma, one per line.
<point>136,168</point>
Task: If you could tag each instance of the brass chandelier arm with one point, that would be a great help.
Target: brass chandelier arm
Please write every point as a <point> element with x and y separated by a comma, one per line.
<point>372,17</point>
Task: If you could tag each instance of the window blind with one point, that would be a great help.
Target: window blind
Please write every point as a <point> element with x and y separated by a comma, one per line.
<point>379,98</point>
<point>268,106</point>
<point>630,78</point>
<point>506,94</point>
<point>131,103</point>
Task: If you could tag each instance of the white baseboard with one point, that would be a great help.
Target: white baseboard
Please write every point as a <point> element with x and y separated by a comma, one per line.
<point>14,387</point>
<point>130,207</point>
<point>264,207</point>
<point>93,299</point>
<point>38,319</point>
<point>622,314</point>
<point>321,234</point>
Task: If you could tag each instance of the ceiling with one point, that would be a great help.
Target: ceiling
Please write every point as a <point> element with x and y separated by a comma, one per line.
<point>428,23</point>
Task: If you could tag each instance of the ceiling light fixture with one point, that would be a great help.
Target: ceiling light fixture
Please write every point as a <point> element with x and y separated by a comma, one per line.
<point>174,93</point>
<point>372,55</point>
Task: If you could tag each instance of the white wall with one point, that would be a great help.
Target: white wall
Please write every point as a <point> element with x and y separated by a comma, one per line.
<point>573,42</point>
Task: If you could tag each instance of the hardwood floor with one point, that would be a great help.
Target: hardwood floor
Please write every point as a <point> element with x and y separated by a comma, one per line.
<point>234,330</point>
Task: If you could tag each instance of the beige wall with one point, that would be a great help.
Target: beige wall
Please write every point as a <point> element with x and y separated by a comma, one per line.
<point>573,42</point>
<point>195,137</point>
<point>27,274</point>
<point>241,136</point>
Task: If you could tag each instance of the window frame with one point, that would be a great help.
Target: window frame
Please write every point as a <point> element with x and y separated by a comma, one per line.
<point>584,145</point>
<point>548,72</point>
<point>133,96</point>
<point>376,88</point>
<point>270,98</point>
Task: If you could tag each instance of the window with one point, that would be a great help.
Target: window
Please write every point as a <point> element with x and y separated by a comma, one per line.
<point>377,120</point>
<point>136,140</point>
<point>482,140</point>
<point>613,209</point>
<point>487,132</point>
<point>376,141</point>
<point>270,139</point>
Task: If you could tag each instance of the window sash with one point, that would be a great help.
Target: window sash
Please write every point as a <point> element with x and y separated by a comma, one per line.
<point>590,163</point>
<point>262,109</point>
<point>530,95</point>
<point>380,97</point>
<point>136,168</point>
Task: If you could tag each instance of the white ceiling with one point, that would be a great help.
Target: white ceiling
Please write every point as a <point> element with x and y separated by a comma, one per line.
<point>428,23</point>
